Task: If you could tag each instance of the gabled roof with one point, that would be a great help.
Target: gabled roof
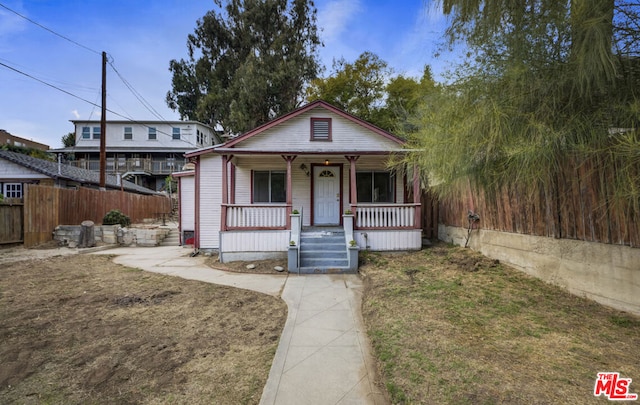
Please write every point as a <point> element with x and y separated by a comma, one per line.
<point>71,173</point>
<point>307,107</point>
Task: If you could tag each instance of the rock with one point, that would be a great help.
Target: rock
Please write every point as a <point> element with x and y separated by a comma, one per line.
<point>251,266</point>
<point>278,268</point>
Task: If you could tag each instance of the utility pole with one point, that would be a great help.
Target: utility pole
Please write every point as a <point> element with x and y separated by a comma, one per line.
<point>103,125</point>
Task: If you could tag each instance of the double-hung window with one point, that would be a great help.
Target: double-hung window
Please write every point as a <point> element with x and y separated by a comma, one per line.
<point>86,133</point>
<point>375,187</point>
<point>175,133</point>
<point>152,133</point>
<point>128,133</point>
<point>96,132</point>
<point>269,186</point>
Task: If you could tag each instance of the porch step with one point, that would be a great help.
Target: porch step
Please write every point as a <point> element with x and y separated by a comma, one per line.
<point>323,251</point>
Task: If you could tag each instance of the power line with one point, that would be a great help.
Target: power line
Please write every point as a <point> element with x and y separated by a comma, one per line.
<point>137,94</point>
<point>62,90</point>
<point>50,30</point>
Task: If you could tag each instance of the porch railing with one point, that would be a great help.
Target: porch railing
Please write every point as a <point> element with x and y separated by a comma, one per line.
<point>255,216</point>
<point>385,216</point>
<point>132,165</point>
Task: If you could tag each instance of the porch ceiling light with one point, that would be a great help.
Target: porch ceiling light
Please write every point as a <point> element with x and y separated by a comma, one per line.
<point>326,162</point>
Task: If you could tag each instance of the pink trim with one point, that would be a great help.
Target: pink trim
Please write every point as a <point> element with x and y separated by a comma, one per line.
<point>353,194</point>
<point>416,197</point>
<point>183,174</point>
<point>180,211</point>
<point>225,194</point>
<point>301,152</point>
<point>196,236</point>
<point>313,176</point>
<point>232,197</point>
<point>289,198</point>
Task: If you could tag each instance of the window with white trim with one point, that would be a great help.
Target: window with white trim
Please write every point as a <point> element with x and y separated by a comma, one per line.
<point>321,129</point>
<point>12,190</point>
<point>152,133</point>
<point>269,186</point>
<point>96,132</point>
<point>86,133</point>
<point>128,133</point>
<point>375,187</point>
<point>175,133</point>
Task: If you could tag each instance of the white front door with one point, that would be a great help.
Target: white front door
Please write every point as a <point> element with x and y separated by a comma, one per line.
<point>326,194</point>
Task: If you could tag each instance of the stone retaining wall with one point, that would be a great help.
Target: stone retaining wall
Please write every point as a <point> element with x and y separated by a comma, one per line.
<point>150,235</point>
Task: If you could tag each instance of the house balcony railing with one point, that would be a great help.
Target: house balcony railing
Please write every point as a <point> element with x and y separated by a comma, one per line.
<point>385,216</point>
<point>254,217</point>
<point>153,167</point>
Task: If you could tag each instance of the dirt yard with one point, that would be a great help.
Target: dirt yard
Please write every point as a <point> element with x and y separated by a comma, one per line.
<point>450,326</point>
<point>79,329</point>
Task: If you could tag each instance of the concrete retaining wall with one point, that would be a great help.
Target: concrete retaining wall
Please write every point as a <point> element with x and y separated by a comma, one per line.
<point>608,274</point>
<point>68,235</point>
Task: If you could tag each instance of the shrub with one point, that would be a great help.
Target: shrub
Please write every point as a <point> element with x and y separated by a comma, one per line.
<point>115,217</point>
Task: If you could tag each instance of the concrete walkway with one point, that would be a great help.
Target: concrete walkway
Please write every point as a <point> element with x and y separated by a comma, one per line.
<point>323,356</point>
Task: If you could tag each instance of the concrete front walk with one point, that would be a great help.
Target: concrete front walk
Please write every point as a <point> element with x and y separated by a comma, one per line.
<point>323,355</point>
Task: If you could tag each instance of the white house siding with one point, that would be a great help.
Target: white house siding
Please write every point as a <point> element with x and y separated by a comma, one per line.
<point>164,136</point>
<point>389,239</point>
<point>253,245</point>
<point>210,200</point>
<point>13,171</point>
<point>187,203</point>
<point>294,134</point>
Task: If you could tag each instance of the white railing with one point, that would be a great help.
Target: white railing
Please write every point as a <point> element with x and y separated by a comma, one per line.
<point>133,165</point>
<point>256,216</point>
<point>385,216</point>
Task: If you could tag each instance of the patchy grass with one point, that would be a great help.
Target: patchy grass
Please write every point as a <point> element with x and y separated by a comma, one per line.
<point>83,330</point>
<point>449,326</point>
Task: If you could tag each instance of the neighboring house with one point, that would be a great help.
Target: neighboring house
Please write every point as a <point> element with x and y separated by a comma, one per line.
<point>8,139</point>
<point>145,152</point>
<point>319,161</point>
<point>17,169</point>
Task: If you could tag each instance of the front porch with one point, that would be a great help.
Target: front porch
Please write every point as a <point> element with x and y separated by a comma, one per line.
<point>266,232</point>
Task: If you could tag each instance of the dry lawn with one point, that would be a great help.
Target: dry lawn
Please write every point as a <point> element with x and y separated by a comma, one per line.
<point>449,326</point>
<point>83,330</point>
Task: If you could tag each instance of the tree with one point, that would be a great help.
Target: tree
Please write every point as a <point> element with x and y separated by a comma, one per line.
<point>367,89</point>
<point>358,87</point>
<point>404,96</point>
<point>546,84</point>
<point>69,140</point>
<point>248,63</point>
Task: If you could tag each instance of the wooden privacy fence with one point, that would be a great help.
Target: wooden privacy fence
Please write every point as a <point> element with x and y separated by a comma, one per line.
<point>11,221</point>
<point>580,205</point>
<point>47,207</point>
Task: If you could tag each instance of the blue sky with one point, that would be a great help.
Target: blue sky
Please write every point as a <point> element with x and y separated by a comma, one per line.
<point>141,37</point>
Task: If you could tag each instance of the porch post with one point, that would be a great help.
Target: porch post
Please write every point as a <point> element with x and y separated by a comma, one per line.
<point>289,159</point>
<point>416,197</point>
<point>196,196</point>
<point>225,194</point>
<point>353,197</point>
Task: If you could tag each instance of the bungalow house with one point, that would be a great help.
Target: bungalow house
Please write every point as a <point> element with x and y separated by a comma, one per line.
<point>312,185</point>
